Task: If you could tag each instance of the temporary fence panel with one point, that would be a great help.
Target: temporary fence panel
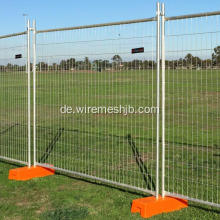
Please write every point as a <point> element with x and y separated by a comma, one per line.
<point>86,79</point>
<point>96,98</point>
<point>192,102</point>
<point>14,126</point>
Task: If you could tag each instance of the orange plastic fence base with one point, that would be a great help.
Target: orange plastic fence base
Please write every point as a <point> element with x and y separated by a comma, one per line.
<point>150,206</point>
<point>25,173</point>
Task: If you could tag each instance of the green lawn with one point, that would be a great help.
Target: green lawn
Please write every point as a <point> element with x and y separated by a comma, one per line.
<point>116,147</point>
<point>62,197</point>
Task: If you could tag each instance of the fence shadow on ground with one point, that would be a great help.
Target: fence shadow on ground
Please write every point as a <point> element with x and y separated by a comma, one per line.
<point>8,128</point>
<point>51,146</point>
<point>143,169</point>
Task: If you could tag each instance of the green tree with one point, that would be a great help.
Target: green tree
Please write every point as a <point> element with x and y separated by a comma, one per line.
<point>116,61</point>
<point>116,58</point>
<point>216,56</point>
<point>42,66</point>
<point>63,65</point>
<point>87,64</point>
<point>188,59</point>
<point>70,63</point>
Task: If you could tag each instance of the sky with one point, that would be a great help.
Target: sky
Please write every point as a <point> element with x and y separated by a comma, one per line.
<point>198,36</point>
<point>64,13</point>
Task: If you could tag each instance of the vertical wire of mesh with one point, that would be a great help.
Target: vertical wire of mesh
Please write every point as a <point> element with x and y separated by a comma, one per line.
<point>191,110</point>
<point>13,96</point>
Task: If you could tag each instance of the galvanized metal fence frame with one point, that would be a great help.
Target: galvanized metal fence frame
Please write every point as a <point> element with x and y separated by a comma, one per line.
<point>157,39</point>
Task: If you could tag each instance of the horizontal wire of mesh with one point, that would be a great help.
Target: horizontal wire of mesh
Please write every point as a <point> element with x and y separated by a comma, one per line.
<point>192,166</point>
<point>13,96</point>
<point>95,67</point>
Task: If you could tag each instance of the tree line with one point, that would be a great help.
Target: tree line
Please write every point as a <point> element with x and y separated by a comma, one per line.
<point>116,63</point>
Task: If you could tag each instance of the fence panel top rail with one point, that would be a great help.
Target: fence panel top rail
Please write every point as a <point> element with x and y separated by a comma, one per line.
<point>98,25</point>
<point>205,14</point>
<point>13,35</point>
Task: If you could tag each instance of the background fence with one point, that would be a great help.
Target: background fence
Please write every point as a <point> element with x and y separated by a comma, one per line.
<point>93,66</point>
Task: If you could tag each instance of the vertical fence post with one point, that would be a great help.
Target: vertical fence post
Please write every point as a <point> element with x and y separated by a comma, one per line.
<point>34,92</point>
<point>29,93</point>
<point>158,98</point>
<point>163,95</point>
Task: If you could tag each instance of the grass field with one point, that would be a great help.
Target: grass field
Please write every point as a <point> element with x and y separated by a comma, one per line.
<point>60,197</point>
<point>113,146</point>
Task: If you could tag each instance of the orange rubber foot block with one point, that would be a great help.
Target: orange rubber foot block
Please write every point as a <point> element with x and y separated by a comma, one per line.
<point>150,206</point>
<point>25,173</point>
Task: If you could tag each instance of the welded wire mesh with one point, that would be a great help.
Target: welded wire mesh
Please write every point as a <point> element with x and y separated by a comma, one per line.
<point>94,67</point>
<point>192,166</point>
<point>13,96</point>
